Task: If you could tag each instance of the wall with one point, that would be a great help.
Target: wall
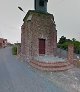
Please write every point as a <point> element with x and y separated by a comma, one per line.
<point>38,26</point>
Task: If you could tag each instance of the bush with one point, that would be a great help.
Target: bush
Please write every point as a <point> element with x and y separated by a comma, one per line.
<point>14,50</point>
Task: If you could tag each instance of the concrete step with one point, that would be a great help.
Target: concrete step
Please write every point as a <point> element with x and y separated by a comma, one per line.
<point>44,64</point>
<point>53,67</point>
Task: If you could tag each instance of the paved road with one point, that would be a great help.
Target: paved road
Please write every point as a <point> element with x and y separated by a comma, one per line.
<point>17,76</point>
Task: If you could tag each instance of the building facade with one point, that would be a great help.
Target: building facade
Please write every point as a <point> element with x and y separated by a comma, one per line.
<point>38,35</point>
<point>39,39</point>
<point>3,42</point>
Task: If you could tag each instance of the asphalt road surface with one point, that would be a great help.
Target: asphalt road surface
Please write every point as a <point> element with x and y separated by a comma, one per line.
<point>17,76</point>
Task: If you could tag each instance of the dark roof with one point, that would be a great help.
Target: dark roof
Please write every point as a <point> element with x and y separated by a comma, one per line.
<point>46,0</point>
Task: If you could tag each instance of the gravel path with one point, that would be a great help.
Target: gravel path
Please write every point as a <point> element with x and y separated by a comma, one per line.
<point>17,76</point>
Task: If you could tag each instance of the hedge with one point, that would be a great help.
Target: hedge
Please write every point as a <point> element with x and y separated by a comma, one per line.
<point>14,50</point>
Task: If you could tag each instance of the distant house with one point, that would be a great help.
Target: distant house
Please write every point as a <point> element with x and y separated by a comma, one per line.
<point>3,42</point>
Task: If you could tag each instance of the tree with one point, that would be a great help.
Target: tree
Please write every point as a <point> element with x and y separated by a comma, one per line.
<point>73,39</point>
<point>62,40</point>
<point>63,44</point>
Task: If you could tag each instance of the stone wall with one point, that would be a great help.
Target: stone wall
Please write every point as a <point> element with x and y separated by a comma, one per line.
<point>57,66</point>
<point>22,39</point>
<point>38,26</point>
<point>42,26</point>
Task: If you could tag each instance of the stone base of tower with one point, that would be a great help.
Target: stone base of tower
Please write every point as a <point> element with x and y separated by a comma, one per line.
<point>39,39</point>
<point>38,35</point>
<point>50,63</point>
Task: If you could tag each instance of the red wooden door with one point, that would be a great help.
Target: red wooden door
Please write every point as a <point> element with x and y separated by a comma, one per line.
<point>41,46</point>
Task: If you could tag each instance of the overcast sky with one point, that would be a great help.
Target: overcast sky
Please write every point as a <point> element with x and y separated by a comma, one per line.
<point>66,14</point>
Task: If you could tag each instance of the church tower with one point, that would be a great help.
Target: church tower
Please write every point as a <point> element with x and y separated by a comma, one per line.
<point>39,40</point>
<point>39,34</point>
<point>41,5</point>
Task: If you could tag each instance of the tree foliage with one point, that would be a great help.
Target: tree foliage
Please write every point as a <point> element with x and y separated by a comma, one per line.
<point>62,40</point>
<point>63,44</point>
